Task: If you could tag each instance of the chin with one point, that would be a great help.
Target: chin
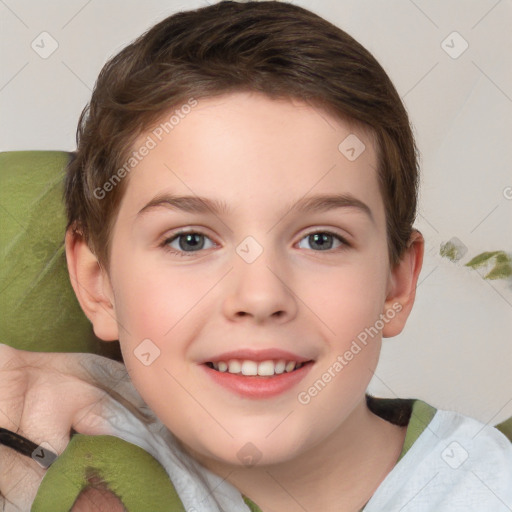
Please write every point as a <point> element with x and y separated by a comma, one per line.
<point>258,451</point>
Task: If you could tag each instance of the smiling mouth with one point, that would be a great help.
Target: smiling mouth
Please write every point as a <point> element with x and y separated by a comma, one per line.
<point>250,368</point>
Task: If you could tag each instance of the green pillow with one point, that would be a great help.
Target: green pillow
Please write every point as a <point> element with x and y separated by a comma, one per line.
<point>131,473</point>
<point>39,310</point>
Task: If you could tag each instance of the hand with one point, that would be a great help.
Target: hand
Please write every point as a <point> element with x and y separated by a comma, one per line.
<point>43,396</point>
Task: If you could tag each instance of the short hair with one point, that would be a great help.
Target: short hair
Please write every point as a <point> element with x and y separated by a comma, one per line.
<point>274,48</point>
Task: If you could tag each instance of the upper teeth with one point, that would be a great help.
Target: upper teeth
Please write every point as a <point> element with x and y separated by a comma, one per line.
<point>263,368</point>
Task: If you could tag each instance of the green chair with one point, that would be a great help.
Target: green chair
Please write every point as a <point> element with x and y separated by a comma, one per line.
<point>39,309</point>
<point>39,312</point>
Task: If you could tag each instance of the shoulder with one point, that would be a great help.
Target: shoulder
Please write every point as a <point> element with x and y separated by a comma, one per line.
<point>455,464</point>
<point>481,443</point>
<point>466,459</point>
<point>474,461</point>
<point>441,427</point>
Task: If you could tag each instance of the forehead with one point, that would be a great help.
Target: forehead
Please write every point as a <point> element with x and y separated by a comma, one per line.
<point>245,148</point>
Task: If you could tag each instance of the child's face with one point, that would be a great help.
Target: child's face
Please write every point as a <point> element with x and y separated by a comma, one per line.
<point>309,297</point>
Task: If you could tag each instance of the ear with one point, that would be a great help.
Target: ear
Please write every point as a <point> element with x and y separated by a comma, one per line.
<point>402,286</point>
<point>92,286</point>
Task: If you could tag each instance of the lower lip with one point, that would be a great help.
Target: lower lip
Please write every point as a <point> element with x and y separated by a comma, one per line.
<point>258,387</point>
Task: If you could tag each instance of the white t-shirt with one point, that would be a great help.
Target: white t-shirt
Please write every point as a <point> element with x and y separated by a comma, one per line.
<point>457,464</point>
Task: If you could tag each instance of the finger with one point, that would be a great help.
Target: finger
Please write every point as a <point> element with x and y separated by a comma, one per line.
<point>110,415</point>
<point>113,375</point>
<point>90,368</point>
<point>98,371</point>
<point>20,477</point>
<point>113,379</point>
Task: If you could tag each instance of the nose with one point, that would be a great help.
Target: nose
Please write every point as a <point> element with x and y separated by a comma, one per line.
<point>261,291</point>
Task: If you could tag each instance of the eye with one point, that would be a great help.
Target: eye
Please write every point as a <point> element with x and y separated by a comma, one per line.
<point>324,240</point>
<point>186,242</point>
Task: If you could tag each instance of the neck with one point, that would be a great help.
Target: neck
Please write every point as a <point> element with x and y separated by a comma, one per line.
<point>341,473</point>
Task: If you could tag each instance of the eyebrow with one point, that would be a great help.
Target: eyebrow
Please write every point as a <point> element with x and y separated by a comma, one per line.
<point>312,204</point>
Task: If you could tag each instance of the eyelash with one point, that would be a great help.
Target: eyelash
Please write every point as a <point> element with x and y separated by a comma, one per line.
<point>165,244</point>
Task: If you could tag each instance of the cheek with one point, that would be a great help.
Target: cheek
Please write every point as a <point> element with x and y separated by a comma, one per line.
<point>157,313</point>
<point>149,302</point>
<point>349,299</point>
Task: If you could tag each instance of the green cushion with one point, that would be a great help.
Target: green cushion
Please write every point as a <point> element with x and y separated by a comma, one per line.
<point>131,473</point>
<point>39,311</point>
<point>506,428</point>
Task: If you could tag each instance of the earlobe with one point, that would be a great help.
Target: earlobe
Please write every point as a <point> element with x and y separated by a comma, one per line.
<point>92,286</point>
<point>402,286</point>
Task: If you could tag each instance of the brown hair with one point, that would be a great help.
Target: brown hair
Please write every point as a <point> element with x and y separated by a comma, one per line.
<point>275,48</point>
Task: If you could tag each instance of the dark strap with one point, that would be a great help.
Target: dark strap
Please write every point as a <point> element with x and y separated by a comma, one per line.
<point>43,456</point>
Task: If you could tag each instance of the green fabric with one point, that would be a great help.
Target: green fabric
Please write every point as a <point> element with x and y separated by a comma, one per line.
<point>39,310</point>
<point>506,428</point>
<point>252,506</point>
<point>421,416</point>
<point>130,472</point>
